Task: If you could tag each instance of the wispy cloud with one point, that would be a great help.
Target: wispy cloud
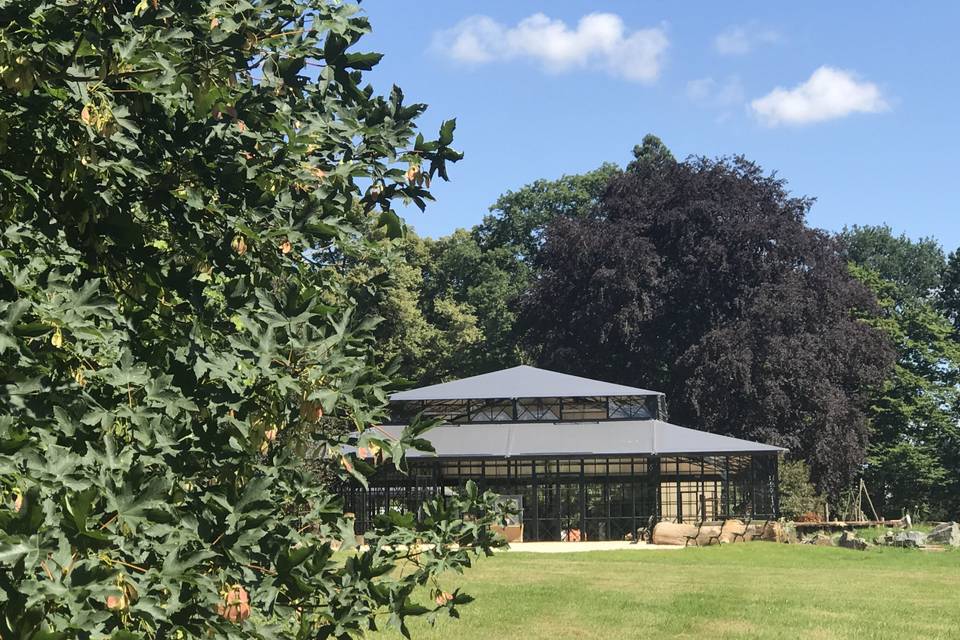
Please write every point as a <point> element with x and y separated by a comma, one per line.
<point>738,40</point>
<point>712,93</point>
<point>829,93</point>
<point>599,41</point>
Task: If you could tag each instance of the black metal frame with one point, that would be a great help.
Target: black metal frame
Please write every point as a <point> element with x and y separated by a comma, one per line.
<point>606,497</point>
<point>448,410</point>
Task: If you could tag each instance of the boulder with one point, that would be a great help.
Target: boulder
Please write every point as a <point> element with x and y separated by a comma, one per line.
<point>778,531</point>
<point>849,540</point>
<point>790,531</point>
<point>905,539</point>
<point>819,539</point>
<point>947,533</point>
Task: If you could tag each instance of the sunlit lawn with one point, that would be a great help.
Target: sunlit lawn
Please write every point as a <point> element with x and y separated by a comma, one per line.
<point>755,590</point>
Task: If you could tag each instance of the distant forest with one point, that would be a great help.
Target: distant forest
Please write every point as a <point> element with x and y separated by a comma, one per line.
<point>701,278</point>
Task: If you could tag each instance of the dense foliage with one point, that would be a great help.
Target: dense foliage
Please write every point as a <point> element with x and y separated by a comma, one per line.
<point>194,196</point>
<point>798,496</point>
<point>915,437</point>
<point>701,279</point>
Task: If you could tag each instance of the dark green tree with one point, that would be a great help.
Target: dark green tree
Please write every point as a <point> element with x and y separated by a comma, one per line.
<point>426,330</point>
<point>187,192</point>
<point>798,496</point>
<point>701,279</point>
<point>516,221</point>
<point>651,155</point>
<point>914,435</point>
<point>915,267</point>
<point>948,298</point>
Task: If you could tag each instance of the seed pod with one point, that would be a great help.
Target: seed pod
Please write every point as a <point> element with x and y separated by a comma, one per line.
<point>412,172</point>
<point>239,245</point>
<point>57,338</point>
<point>236,605</point>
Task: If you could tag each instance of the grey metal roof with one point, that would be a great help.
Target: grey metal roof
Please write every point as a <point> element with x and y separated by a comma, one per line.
<point>616,437</point>
<point>520,382</point>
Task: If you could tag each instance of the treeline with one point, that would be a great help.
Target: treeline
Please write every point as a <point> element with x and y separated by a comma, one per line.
<point>701,278</point>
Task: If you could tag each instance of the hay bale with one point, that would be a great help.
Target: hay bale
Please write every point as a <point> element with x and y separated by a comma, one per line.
<point>732,531</point>
<point>673,533</point>
<point>709,534</point>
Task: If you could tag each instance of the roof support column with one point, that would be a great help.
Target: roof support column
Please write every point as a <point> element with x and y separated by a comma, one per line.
<point>653,466</point>
<point>776,485</point>
<point>726,486</point>
<point>536,500</point>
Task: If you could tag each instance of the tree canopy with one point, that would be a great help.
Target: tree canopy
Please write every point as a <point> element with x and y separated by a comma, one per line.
<point>701,279</point>
<point>915,437</point>
<point>194,197</point>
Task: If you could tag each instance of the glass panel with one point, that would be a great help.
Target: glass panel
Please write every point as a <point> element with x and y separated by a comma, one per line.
<point>584,409</point>
<point>522,468</point>
<point>630,407</point>
<point>454,411</point>
<point>538,409</point>
<point>495,468</point>
<point>548,508</point>
<point>569,466</point>
<point>491,411</point>
<point>668,500</point>
<point>595,467</point>
<point>621,467</point>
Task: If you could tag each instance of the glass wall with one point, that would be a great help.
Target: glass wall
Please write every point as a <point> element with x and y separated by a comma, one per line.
<point>603,498</point>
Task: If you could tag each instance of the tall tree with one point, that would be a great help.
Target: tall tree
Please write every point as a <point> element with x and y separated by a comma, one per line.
<point>426,329</point>
<point>914,436</point>
<point>516,221</point>
<point>948,298</point>
<point>183,207</point>
<point>701,279</point>
<point>915,267</point>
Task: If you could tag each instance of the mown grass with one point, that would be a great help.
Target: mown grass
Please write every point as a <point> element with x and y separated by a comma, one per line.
<point>755,590</point>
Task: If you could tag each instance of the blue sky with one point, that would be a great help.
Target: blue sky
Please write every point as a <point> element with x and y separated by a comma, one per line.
<point>853,103</point>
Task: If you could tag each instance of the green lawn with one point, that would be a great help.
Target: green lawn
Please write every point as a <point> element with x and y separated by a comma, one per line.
<point>755,590</point>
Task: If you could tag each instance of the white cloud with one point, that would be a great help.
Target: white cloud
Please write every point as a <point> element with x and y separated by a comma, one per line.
<point>738,40</point>
<point>599,41</point>
<point>711,93</point>
<point>828,94</point>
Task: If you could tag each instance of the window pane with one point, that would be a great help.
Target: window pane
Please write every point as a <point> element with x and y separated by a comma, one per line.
<point>538,409</point>
<point>584,409</point>
<point>447,410</point>
<point>630,407</point>
<point>491,411</point>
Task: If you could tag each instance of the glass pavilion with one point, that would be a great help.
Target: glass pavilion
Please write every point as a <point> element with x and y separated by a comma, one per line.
<point>574,453</point>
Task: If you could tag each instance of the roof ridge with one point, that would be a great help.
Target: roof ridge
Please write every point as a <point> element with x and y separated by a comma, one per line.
<point>520,381</point>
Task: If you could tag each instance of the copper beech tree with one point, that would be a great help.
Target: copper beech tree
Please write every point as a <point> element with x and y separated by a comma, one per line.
<point>702,279</point>
<point>186,191</point>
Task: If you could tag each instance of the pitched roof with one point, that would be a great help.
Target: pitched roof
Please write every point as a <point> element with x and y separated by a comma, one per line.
<point>620,437</point>
<point>520,382</point>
